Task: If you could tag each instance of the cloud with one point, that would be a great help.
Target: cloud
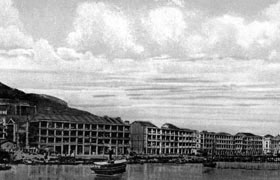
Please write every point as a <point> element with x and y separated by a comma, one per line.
<point>11,31</point>
<point>165,25</point>
<point>8,14</point>
<point>170,28</point>
<point>68,54</point>
<point>17,53</point>
<point>103,29</point>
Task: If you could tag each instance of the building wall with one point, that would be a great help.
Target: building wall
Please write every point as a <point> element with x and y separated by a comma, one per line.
<point>224,145</point>
<point>80,139</point>
<point>154,140</point>
<point>267,146</point>
<point>275,145</point>
<point>138,136</point>
<point>207,141</point>
<point>248,145</point>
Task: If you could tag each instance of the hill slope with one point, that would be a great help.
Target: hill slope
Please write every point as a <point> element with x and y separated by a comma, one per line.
<point>44,103</point>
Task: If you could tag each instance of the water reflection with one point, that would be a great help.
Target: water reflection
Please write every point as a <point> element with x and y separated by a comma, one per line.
<point>118,177</point>
<point>136,172</point>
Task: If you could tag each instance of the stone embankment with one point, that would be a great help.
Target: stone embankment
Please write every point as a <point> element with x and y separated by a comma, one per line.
<point>249,165</point>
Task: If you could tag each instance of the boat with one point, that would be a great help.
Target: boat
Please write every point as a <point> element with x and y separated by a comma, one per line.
<point>4,167</point>
<point>111,167</point>
<point>210,164</point>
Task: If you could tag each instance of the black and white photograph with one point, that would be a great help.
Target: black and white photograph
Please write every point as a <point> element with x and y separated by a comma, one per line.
<point>139,89</point>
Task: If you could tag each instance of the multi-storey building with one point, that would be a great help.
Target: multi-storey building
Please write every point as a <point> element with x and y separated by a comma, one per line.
<point>224,144</point>
<point>13,116</point>
<point>267,144</point>
<point>275,145</point>
<point>207,142</point>
<point>82,134</point>
<point>248,144</point>
<point>139,136</point>
<point>149,139</point>
<point>178,140</point>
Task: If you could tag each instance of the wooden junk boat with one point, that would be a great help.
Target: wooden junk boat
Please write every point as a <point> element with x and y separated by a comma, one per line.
<point>5,167</point>
<point>111,167</point>
<point>210,163</point>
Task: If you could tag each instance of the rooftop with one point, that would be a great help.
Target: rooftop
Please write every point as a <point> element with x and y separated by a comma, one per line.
<point>169,126</point>
<point>223,134</point>
<point>81,118</point>
<point>268,136</point>
<point>145,123</point>
<point>245,134</point>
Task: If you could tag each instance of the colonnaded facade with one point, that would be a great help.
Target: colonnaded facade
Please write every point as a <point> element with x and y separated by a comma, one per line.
<point>79,134</point>
<point>146,138</point>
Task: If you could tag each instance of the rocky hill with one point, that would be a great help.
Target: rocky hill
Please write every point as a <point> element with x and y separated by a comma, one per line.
<point>44,103</point>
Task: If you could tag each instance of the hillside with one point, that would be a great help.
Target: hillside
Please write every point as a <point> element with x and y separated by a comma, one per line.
<point>44,103</point>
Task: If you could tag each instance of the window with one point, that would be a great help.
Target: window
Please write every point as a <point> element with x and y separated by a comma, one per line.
<point>58,125</point>
<point>93,134</point>
<point>43,124</point>
<point>58,133</point>
<point>51,132</point>
<point>43,132</point>
<point>66,126</point>
<point>107,127</point>
<point>66,133</point>
<point>43,139</point>
<point>73,126</point>
<point>73,133</point>
<point>80,126</point>
<point>120,135</point>
<point>94,126</point>
<point>80,133</point>
<point>80,141</point>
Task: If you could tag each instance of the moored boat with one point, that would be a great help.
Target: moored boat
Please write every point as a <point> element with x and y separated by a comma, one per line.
<point>110,167</point>
<point>210,164</point>
<point>5,167</point>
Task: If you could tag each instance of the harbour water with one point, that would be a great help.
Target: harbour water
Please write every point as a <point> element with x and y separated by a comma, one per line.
<point>136,172</point>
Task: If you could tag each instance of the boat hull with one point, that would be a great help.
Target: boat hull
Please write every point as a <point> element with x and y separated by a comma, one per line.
<point>3,168</point>
<point>210,164</point>
<point>109,169</point>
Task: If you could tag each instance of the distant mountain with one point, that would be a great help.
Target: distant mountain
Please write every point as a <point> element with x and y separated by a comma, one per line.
<point>44,103</point>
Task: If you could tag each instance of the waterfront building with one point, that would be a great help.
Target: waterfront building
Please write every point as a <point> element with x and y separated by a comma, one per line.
<point>248,144</point>
<point>13,118</point>
<point>146,138</point>
<point>267,144</point>
<point>79,134</point>
<point>275,144</point>
<point>207,142</point>
<point>224,143</point>
<point>178,140</point>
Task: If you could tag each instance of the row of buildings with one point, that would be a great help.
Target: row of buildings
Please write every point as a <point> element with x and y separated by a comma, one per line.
<point>147,138</point>
<point>87,134</point>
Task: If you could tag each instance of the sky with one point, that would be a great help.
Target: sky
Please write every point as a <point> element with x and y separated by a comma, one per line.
<point>206,64</point>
